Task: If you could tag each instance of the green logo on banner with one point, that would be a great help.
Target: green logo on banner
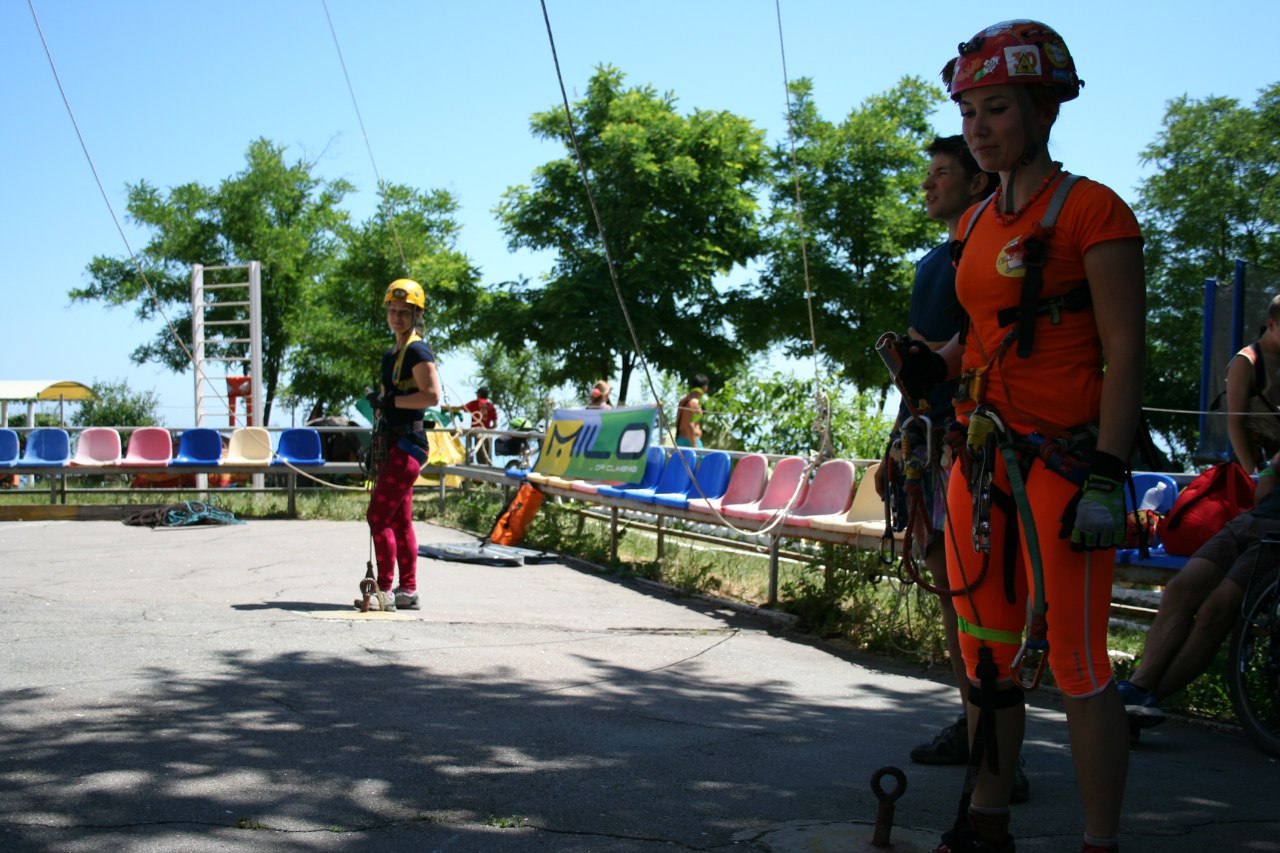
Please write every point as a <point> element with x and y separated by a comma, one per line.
<point>597,444</point>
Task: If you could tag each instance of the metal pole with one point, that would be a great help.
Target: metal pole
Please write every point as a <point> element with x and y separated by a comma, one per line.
<point>613,535</point>
<point>773,570</point>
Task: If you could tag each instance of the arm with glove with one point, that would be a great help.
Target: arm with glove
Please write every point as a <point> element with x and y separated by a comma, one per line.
<point>1118,286</point>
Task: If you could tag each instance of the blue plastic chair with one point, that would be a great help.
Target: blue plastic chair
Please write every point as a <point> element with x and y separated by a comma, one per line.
<point>200,446</point>
<point>1144,481</point>
<point>710,480</point>
<point>655,463</point>
<point>47,447</point>
<point>299,446</point>
<point>8,447</point>
<point>676,478</point>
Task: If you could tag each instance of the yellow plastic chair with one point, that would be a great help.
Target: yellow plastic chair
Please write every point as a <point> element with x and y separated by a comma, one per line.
<point>249,446</point>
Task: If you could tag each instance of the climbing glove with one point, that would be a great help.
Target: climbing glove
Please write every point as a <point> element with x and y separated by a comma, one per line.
<point>1097,511</point>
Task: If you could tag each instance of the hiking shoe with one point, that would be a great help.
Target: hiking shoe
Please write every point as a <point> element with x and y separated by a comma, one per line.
<point>1143,709</point>
<point>1021,790</point>
<point>949,746</point>
<point>965,840</point>
<point>405,599</point>
<point>383,601</point>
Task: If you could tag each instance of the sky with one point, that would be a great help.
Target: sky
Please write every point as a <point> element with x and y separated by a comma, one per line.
<point>174,92</point>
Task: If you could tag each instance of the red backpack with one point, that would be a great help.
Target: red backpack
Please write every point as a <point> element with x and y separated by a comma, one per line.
<point>1205,506</point>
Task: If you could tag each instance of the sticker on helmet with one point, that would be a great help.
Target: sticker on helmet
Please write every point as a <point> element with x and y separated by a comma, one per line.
<point>992,63</point>
<point>1057,53</point>
<point>1023,60</point>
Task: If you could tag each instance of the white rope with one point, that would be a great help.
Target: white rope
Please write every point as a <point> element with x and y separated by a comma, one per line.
<point>84,147</point>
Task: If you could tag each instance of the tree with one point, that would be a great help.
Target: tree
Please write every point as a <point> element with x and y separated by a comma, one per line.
<point>116,405</point>
<point>342,327</point>
<point>273,212</point>
<point>1215,197</point>
<point>677,198</point>
<point>776,414</point>
<point>859,184</point>
<point>519,383</point>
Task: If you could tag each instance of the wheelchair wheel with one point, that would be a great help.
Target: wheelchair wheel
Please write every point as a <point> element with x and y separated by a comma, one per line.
<point>1253,677</point>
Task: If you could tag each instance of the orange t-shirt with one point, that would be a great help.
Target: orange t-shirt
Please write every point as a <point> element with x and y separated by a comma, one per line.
<point>1060,384</point>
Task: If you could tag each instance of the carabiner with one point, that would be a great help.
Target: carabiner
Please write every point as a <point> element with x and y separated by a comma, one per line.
<point>1030,648</point>
<point>886,545</point>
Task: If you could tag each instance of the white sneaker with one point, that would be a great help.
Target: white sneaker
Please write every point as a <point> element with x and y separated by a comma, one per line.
<point>406,599</point>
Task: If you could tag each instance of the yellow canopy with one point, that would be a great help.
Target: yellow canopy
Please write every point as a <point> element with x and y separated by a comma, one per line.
<point>43,389</point>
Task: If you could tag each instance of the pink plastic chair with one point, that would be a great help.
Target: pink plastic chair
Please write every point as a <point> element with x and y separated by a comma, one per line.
<point>97,446</point>
<point>865,517</point>
<point>150,447</point>
<point>786,482</point>
<point>829,494</point>
<point>746,484</point>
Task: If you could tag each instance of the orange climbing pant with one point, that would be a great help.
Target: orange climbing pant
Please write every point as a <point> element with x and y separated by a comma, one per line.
<point>1077,585</point>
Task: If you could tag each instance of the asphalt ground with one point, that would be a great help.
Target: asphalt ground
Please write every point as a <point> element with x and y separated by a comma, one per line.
<point>212,689</point>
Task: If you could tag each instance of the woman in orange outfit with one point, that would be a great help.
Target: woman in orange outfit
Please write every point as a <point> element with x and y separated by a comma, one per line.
<point>1056,365</point>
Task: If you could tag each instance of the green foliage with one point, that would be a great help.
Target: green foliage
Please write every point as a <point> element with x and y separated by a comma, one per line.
<point>677,198</point>
<point>273,212</point>
<point>342,329</point>
<point>1212,199</point>
<point>322,278</point>
<point>115,405</point>
<point>863,218</point>
<point>777,413</point>
<point>519,383</point>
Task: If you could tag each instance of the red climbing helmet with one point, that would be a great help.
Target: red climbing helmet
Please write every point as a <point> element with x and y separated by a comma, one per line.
<point>1014,52</point>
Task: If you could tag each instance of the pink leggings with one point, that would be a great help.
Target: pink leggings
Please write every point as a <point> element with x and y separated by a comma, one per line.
<point>390,517</point>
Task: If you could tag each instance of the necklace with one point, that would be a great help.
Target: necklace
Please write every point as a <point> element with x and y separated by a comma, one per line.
<point>1010,218</point>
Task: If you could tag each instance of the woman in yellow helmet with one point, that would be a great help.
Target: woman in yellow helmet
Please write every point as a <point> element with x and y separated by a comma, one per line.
<point>410,385</point>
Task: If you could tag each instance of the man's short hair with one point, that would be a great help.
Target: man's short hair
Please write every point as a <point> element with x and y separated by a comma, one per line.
<point>1273,310</point>
<point>956,147</point>
<point>700,381</point>
<point>482,391</point>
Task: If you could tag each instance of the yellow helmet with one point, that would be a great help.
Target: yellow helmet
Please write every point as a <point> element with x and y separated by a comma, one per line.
<point>408,290</point>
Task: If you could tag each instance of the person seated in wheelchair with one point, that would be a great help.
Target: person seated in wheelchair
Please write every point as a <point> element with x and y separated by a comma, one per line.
<point>1199,607</point>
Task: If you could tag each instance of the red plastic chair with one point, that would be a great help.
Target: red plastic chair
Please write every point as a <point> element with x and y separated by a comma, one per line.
<point>829,496</point>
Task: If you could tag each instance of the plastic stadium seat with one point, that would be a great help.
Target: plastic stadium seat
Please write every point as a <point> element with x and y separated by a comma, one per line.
<point>785,484</point>
<point>1159,558</point>
<point>8,447</point>
<point>1144,481</point>
<point>151,447</point>
<point>746,484</point>
<point>299,446</point>
<point>709,481</point>
<point>865,516</point>
<point>652,471</point>
<point>249,446</point>
<point>829,495</point>
<point>655,463</point>
<point>47,447</point>
<point>676,477</point>
<point>97,446</point>
<point>199,446</point>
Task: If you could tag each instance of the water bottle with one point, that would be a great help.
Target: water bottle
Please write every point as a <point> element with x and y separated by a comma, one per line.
<point>1154,497</point>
